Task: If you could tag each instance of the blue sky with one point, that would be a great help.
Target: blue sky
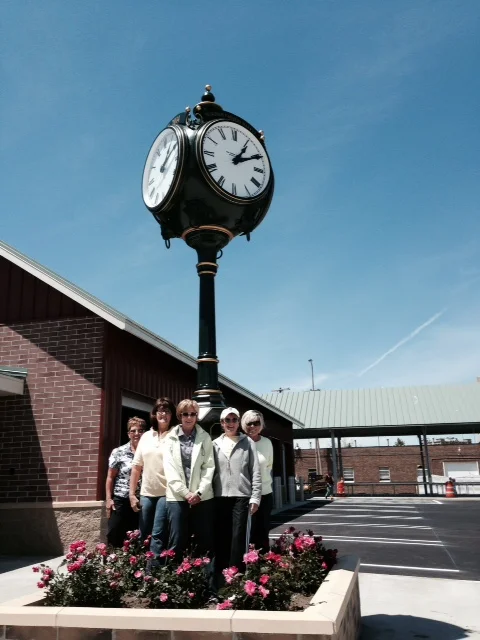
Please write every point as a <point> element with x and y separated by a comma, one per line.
<point>368,261</point>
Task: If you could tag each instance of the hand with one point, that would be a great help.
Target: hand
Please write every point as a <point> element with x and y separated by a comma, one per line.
<point>237,159</point>
<point>135,504</point>
<point>162,168</point>
<point>193,499</point>
<point>109,506</point>
<point>253,508</point>
<point>237,156</point>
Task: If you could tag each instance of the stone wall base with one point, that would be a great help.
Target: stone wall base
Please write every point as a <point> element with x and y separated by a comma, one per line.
<point>48,528</point>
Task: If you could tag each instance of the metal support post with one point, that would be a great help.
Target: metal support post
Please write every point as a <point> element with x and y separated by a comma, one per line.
<point>334,463</point>
<point>427,460</point>
<point>423,465</point>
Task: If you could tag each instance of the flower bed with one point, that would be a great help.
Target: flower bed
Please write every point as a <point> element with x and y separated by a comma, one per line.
<point>297,564</point>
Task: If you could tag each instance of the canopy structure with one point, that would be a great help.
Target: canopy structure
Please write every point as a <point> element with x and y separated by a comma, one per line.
<point>401,411</point>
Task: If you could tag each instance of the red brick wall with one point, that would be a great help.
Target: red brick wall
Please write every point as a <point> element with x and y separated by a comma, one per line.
<point>49,437</point>
<point>402,461</point>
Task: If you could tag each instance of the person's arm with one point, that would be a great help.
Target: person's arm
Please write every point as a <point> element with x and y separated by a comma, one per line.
<point>208,467</point>
<point>109,504</point>
<point>134,478</point>
<point>175,478</point>
<point>256,478</point>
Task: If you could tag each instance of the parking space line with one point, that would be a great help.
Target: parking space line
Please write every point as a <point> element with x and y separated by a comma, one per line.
<point>397,566</point>
<point>361,515</point>
<point>352,524</point>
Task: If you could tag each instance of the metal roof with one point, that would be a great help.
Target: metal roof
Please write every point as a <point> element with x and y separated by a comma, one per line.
<point>120,320</point>
<point>447,407</point>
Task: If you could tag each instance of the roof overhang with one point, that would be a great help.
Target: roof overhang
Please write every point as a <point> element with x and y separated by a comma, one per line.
<point>309,433</point>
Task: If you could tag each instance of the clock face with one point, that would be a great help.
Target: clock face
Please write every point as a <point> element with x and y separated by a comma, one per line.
<point>162,169</point>
<point>234,161</point>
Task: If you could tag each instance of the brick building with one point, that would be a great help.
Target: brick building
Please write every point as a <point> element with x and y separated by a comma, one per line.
<point>392,464</point>
<point>72,371</point>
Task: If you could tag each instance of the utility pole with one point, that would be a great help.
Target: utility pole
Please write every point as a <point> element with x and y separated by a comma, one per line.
<point>313,379</point>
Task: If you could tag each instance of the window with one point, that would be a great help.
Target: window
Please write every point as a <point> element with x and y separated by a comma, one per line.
<point>384,473</point>
<point>348,474</point>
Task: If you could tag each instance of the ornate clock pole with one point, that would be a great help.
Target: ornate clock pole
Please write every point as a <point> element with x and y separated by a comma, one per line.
<point>208,179</point>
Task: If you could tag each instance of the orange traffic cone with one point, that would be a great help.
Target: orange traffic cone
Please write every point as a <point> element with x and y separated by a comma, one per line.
<point>341,488</point>
<point>450,491</point>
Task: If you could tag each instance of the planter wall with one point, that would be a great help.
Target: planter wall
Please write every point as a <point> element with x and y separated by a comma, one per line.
<point>334,614</point>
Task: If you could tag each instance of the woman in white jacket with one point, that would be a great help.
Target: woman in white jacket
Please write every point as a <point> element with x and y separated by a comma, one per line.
<point>189,467</point>
<point>238,489</point>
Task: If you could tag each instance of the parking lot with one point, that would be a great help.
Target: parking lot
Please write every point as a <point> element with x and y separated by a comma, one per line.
<point>403,536</point>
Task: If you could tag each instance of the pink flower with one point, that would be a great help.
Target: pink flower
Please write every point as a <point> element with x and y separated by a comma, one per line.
<point>191,594</point>
<point>230,574</point>
<point>263,592</point>
<point>308,542</point>
<point>113,585</point>
<point>284,565</point>
<point>184,567</point>
<point>273,557</point>
<point>69,556</point>
<point>324,565</point>
<point>206,560</point>
<point>149,555</point>
<point>168,553</point>
<point>148,578</point>
<point>251,557</point>
<point>78,547</point>
<point>126,545</point>
<point>227,604</point>
<point>138,574</point>
<point>112,557</point>
<point>264,579</point>
<point>133,535</point>
<point>35,569</point>
<point>41,584</point>
<point>133,560</point>
<point>101,548</point>
<point>250,587</point>
<point>163,597</point>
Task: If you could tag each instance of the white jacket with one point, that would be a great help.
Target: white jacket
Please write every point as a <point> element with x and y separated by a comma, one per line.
<point>201,470</point>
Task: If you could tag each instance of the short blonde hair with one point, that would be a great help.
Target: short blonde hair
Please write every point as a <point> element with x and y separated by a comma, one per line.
<point>253,414</point>
<point>184,405</point>
<point>136,421</point>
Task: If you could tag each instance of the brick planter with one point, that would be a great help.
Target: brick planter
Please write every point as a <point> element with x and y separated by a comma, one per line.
<point>334,614</point>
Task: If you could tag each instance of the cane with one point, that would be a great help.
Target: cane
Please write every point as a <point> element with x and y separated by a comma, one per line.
<point>249,527</point>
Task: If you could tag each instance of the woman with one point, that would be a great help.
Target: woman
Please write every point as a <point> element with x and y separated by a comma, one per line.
<point>189,468</point>
<point>237,487</point>
<point>253,424</point>
<point>148,461</point>
<point>121,516</point>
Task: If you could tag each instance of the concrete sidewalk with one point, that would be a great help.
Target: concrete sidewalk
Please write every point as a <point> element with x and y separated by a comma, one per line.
<point>17,578</point>
<point>404,608</point>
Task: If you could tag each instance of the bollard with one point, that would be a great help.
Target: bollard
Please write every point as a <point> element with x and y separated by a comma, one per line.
<point>291,489</point>
<point>302,489</point>
<point>277,492</point>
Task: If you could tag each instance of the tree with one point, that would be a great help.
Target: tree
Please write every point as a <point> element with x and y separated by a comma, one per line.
<point>399,443</point>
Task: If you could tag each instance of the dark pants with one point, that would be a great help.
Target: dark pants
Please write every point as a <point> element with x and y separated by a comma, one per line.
<point>154,521</point>
<point>186,521</point>
<point>259,533</point>
<point>121,520</point>
<point>230,532</point>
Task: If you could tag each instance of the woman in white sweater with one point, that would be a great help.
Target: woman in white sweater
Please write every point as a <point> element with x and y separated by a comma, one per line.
<point>253,424</point>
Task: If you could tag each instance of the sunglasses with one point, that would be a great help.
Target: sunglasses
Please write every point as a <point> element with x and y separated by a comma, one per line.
<point>163,411</point>
<point>136,431</point>
<point>185,414</point>
<point>257,423</point>
<point>228,420</point>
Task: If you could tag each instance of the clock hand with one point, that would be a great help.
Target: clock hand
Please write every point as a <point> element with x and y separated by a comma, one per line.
<point>239,155</point>
<point>256,156</point>
<point>162,168</point>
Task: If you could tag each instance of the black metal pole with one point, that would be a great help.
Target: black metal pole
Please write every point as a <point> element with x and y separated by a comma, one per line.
<point>340,460</point>
<point>427,460</point>
<point>334,463</point>
<point>423,465</point>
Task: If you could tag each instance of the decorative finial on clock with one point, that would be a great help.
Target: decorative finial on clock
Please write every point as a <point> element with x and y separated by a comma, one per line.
<point>207,102</point>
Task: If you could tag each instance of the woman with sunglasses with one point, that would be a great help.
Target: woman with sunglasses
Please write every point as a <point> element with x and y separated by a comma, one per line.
<point>253,424</point>
<point>237,486</point>
<point>121,516</point>
<point>189,468</point>
<point>148,462</point>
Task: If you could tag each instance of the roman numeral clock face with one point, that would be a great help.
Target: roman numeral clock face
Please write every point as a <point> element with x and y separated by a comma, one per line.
<point>162,169</point>
<point>234,161</point>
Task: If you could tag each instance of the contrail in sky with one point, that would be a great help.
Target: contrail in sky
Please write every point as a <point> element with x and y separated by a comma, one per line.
<point>411,335</point>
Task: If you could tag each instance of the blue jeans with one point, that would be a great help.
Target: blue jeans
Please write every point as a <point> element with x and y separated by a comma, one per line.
<point>186,521</point>
<point>329,491</point>
<point>154,521</point>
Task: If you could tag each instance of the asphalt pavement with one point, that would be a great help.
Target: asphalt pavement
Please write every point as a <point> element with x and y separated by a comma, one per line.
<point>396,536</point>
